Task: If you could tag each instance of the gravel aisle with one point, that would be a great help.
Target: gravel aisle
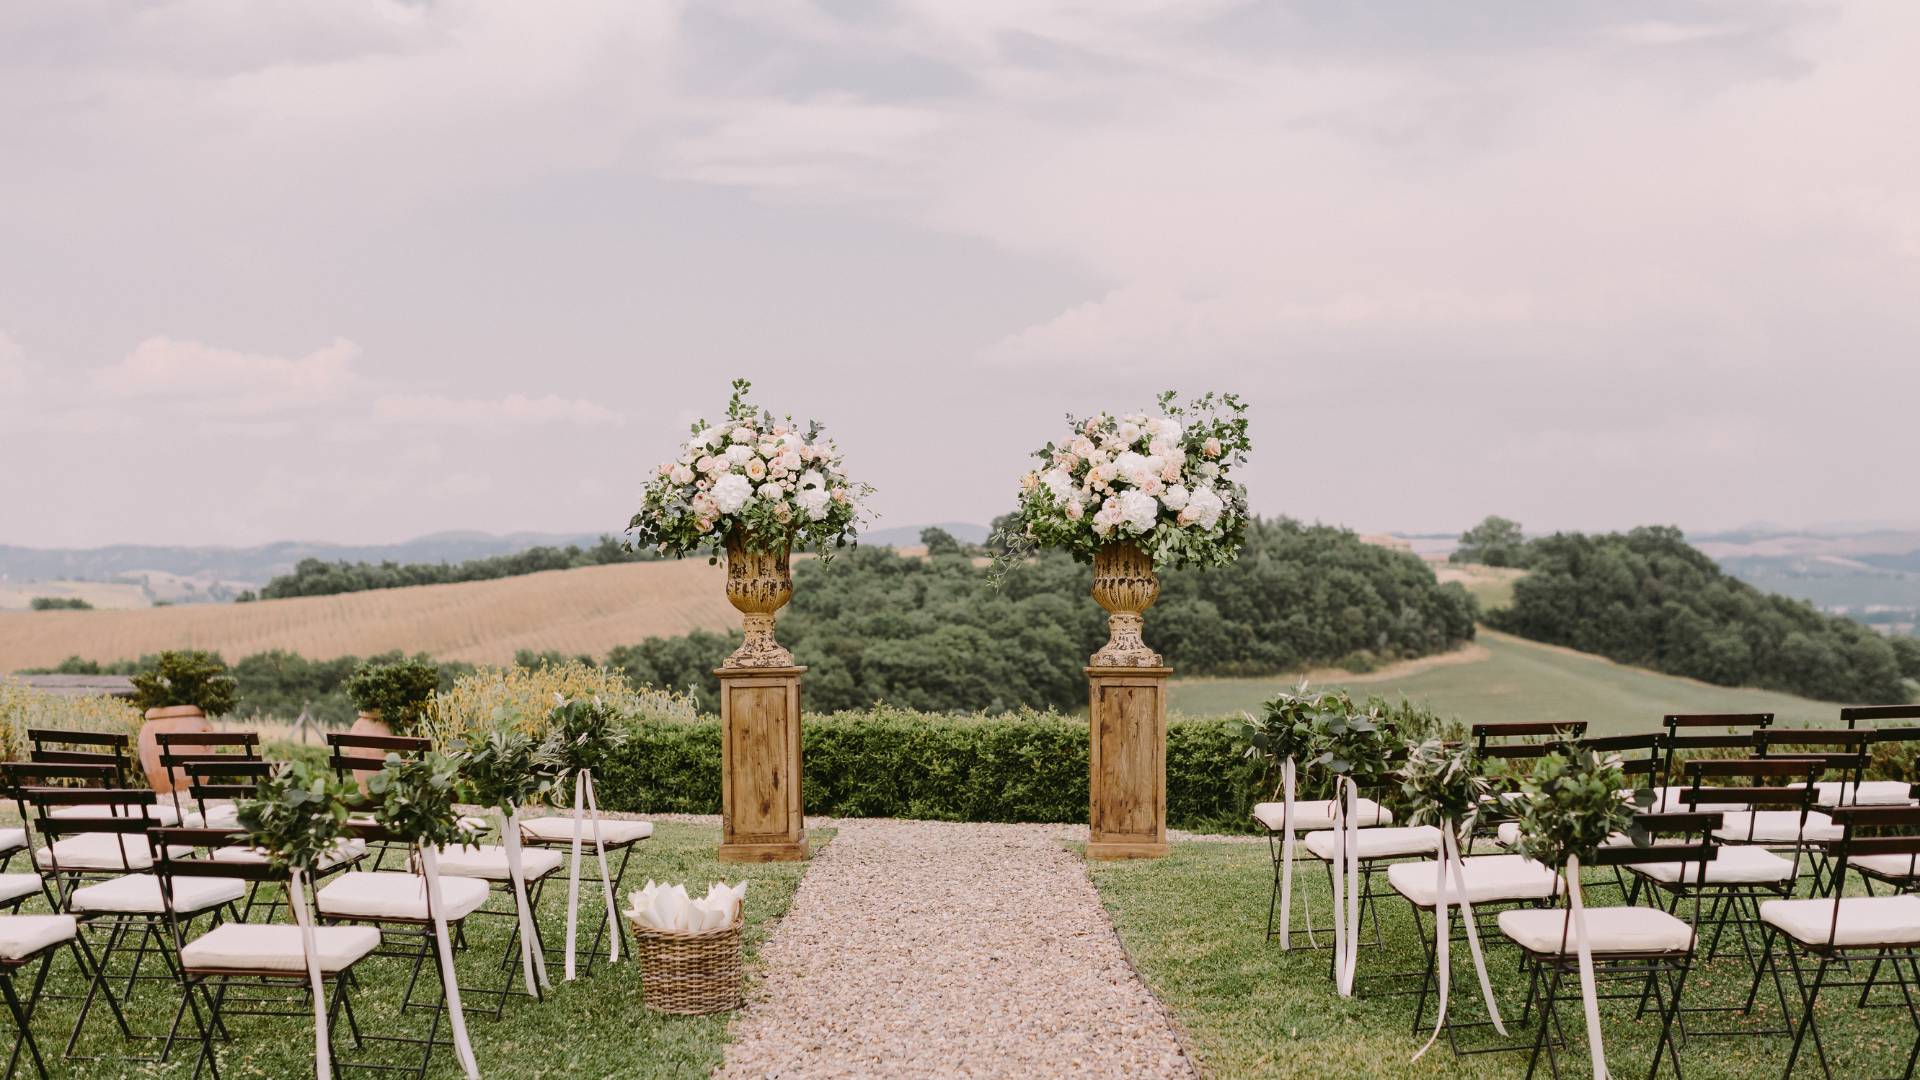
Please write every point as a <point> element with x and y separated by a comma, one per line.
<point>921,949</point>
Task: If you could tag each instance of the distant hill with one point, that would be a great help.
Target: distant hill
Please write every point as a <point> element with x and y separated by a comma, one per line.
<point>909,535</point>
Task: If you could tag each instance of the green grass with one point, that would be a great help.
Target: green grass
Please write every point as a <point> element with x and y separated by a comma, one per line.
<point>595,1026</point>
<point>1194,925</point>
<point>1523,680</point>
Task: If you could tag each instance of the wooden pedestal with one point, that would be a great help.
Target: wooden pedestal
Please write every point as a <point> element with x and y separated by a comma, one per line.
<point>760,817</point>
<point>1127,762</point>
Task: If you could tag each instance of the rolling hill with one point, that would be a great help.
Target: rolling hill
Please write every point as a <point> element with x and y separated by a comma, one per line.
<point>588,610</point>
<point>1522,680</point>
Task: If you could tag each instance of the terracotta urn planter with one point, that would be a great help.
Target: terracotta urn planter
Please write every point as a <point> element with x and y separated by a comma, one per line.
<point>1125,584</point>
<point>170,718</point>
<point>368,723</point>
<point>759,583</point>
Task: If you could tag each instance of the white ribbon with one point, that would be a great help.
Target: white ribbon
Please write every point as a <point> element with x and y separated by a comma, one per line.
<point>1286,856</point>
<point>535,972</point>
<point>322,1052</point>
<point>1451,860</point>
<point>1346,884</point>
<point>462,1046</point>
<point>583,794</point>
<point>1589,998</point>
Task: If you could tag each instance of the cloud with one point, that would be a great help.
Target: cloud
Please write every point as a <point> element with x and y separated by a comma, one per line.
<point>228,381</point>
<point>510,410</point>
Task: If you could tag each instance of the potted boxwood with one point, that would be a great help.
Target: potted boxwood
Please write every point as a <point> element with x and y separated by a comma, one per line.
<point>392,696</point>
<point>179,693</point>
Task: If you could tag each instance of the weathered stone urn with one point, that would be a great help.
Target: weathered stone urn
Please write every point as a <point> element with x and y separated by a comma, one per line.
<point>759,583</point>
<point>1126,586</point>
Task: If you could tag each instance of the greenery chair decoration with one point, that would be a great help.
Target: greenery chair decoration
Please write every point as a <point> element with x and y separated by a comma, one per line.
<point>298,817</point>
<point>414,798</point>
<point>1571,806</point>
<point>504,768</point>
<point>1441,785</point>
<point>1352,748</point>
<point>1282,736</point>
<point>581,732</point>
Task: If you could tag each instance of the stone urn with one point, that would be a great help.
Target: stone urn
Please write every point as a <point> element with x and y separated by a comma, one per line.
<point>169,718</point>
<point>759,583</point>
<point>1126,586</point>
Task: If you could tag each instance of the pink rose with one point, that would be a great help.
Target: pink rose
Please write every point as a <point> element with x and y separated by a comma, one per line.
<point>1211,448</point>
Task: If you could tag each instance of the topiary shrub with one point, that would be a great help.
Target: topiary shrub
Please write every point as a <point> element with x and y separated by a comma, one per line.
<point>187,677</point>
<point>399,691</point>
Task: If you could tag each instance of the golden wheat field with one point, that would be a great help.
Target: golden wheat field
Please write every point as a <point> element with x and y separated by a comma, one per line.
<point>588,610</point>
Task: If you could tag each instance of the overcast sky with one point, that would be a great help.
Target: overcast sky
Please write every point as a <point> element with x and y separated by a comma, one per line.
<point>359,270</point>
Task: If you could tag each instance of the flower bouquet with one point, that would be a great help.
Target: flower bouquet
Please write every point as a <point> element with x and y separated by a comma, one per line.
<point>754,486</point>
<point>1135,493</point>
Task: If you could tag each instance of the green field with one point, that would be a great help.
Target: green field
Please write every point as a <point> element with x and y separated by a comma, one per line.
<point>1522,680</point>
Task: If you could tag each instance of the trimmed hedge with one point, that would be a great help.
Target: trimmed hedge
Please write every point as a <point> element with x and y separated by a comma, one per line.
<point>1028,766</point>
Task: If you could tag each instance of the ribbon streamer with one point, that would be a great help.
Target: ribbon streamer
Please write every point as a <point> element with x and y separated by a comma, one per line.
<point>1286,857</point>
<point>534,971</point>
<point>583,796</point>
<point>1451,861</point>
<point>462,1046</point>
<point>573,875</point>
<point>1589,998</point>
<point>606,879</point>
<point>322,1049</point>
<point>1346,884</point>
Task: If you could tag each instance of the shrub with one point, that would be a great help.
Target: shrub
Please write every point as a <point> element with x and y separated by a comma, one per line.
<point>398,691</point>
<point>188,677</point>
<point>23,707</point>
<point>59,603</point>
<point>524,697</point>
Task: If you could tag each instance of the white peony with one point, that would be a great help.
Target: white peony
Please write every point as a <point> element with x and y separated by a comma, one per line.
<point>732,492</point>
<point>812,479</point>
<point>1140,510</point>
<point>1205,506</point>
<point>739,454</point>
<point>814,501</point>
<point>1175,498</point>
<point>1133,467</point>
<point>741,435</point>
<point>712,437</point>
<point>1165,428</point>
<point>1059,482</point>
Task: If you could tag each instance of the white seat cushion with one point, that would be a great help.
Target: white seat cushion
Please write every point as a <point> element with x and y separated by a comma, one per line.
<point>1509,836</point>
<point>1866,793</point>
<point>612,830</point>
<point>389,894</point>
<point>1776,827</point>
<point>1382,843</point>
<point>1666,800</point>
<point>1864,920</point>
<point>1312,815</point>
<point>256,947</point>
<point>1893,866</point>
<point>12,840</point>
<point>161,813</point>
<point>1488,878</point>
<point>15,886</point>
<point>219,814</point>
<point>101,851</point>
<point>1735,863</point>
<point>140,894</point>
<point>23,935</point>
<point>343,851</point>
<point>1609,930</point>
<point>489,861</point>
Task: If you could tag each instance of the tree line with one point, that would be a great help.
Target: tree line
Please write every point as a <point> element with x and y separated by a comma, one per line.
<point>318,577</point>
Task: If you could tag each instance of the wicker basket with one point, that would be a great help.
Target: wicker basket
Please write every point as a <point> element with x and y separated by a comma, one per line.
<point>689,973</point>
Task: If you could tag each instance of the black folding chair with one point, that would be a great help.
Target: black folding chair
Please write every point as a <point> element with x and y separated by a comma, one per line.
<point>180,749</point>
<point>1647,948</point>
<point>52,746</point>
<point>358,757</point>
<point>1511,741</point>
<point>1691,732</point>
<point>30,940</point>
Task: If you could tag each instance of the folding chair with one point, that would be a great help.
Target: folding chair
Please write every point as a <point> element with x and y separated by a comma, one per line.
<point>357,757</point>
<point>1880,792</point>
<point>1648,947</point>
<point>223,780</point>
<point>1684,734</point>
<point>25,940</point>
<point>52,746</point>
<point>1842,931</point>
<point>262,954</point>
<point>1900,872</point>
<point>1308,816</point>
<point>180,749</point>
<point>487,863</point>
<point>618,837</point>
<point>1507,742</point>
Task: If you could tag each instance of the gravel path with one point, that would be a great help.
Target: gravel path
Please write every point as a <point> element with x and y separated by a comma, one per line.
<point>922,949</point>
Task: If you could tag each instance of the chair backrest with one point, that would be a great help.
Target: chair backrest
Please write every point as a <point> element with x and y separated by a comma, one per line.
<point>125,813</point>
<point>232,778</point>
<point>1843,753</point>
<point>180,749</point>
<point>1780,783</point>
<point>1895,831</point>
<point>21,776</point>
<point>349,753</point>
<point>1639,754</point>
<point>1735,732</point>
<point>1507,742</point>
<point>52,746</point>
<point>186,852</point>
<point>1874,713</point>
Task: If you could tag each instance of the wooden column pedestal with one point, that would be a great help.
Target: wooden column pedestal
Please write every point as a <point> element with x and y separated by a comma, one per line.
<point>760,817</point>
<point>1127,761</point>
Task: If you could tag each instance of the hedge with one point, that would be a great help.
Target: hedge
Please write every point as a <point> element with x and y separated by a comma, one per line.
<point>884,762</point>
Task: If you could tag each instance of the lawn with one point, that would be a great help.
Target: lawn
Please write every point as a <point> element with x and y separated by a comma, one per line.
<point>595,1026</point>
<point>1524,680</point>
<point>1194,922</point>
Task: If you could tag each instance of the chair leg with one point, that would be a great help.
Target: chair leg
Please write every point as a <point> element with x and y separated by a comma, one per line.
<point>1808,997</point>
<point>23,1022</point>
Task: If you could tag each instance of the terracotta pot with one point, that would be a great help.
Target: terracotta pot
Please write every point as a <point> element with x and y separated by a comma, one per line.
<point>170,718</point>
<point>759,583</point>
<point>1125,584</point>
<point>368,723</point>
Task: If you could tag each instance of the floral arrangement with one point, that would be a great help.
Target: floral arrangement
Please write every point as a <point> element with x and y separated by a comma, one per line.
<point>506,768</point>
<point>1441,783</point>
<point>298,814</point>
<point>582,731</point>
<point>766,481</point>
<point>1572,804</point>
<point>1163,482</point>
<point>413,797</point>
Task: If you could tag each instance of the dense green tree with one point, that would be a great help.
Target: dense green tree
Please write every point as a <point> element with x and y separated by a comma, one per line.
<point>941,542</point>
<point>316,577</point>
<point>1496,541</point>
<point>1906,653</point>
<point>1648,598</point>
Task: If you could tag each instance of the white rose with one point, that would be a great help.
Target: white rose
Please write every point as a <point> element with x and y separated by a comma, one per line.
<point>789,460</point>
<point>1140,510</point>
<point>812,479</point>
<point>1175,498</point>
<point>732,492</point>
<point>1074,510</point>
<point>711,464</point>
<point>756,469</point>
<point>1059,482</point>
<point>1129,432</point>
<point>682,475</point>
<point>814,501</point>
<point>1082,447</point>
<point>712,437</point>
<point>738,454</point>
<point>1209,469</point>
<point>771,492</point>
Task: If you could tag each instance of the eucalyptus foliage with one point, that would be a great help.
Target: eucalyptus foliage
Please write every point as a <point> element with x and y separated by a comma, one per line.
<point>414,798</point>
<point>505,767</point>
<point>581,731</point>
<point>298,814</point>
<point>1441,783</point>
<point>1571,804</point>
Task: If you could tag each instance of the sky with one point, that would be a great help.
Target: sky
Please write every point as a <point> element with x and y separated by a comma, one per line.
<point>358,270</point>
